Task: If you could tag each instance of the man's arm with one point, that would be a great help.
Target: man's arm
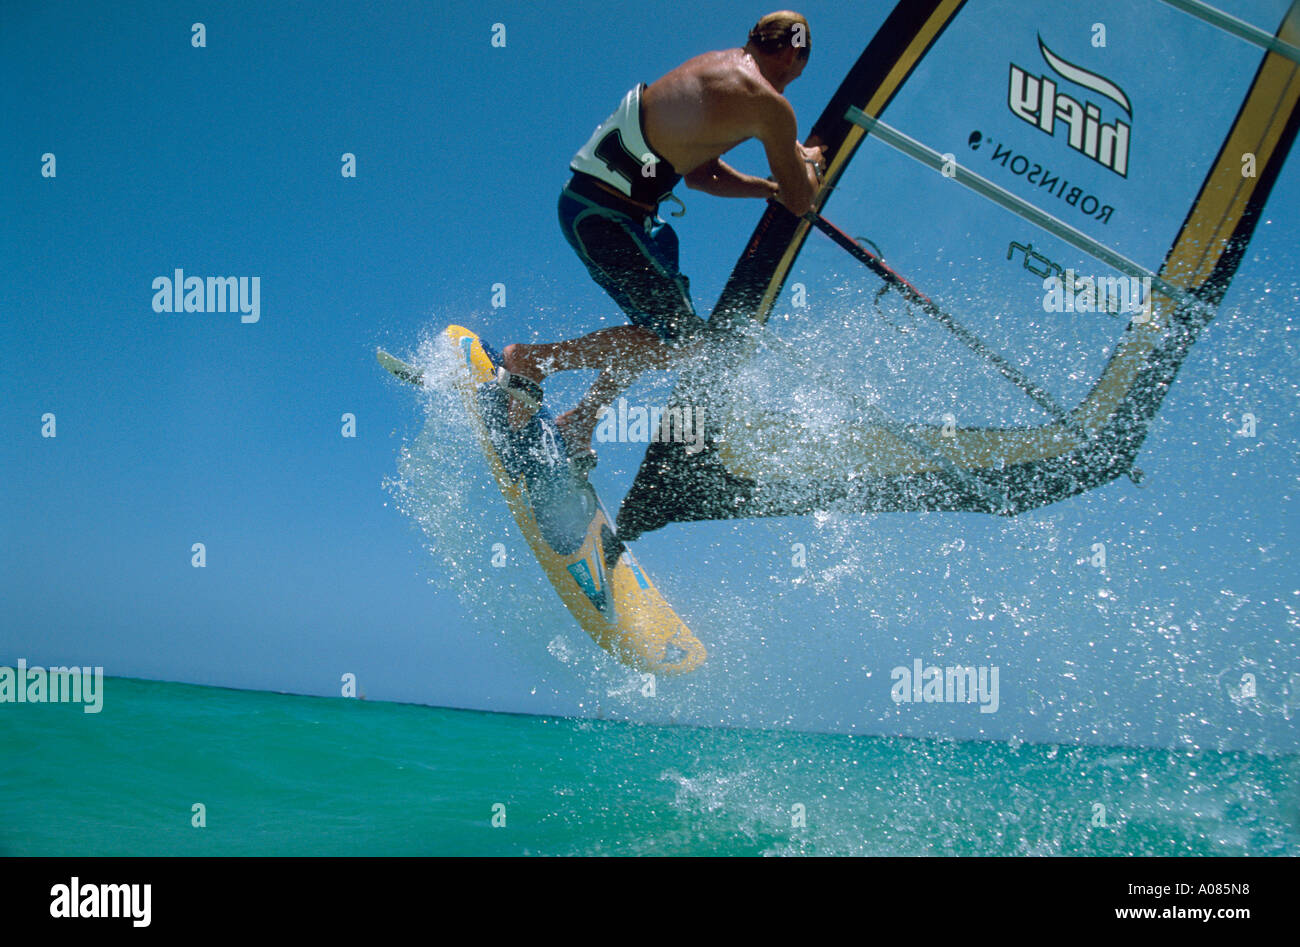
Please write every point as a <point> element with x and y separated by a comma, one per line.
<point>795,175</point>
<point>718,178</point>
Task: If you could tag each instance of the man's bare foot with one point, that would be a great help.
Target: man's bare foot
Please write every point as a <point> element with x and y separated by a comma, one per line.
<point>520,413</point>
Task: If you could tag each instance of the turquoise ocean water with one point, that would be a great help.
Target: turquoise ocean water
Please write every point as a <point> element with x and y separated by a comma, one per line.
<point>287,775</point>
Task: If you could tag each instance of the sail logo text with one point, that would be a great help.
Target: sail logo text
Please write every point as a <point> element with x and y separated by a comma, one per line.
<point>1064,291</point>
<point>1038,101</point>
<point>1043,178</point>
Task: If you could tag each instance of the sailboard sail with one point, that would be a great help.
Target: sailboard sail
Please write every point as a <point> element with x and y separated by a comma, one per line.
<point>1060,216</point>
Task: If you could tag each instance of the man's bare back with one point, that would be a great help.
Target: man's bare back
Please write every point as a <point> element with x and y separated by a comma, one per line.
<point>710,104</point>
<point>704,107</point>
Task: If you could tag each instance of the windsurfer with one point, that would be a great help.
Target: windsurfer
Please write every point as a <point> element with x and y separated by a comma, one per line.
<point>674,129</point>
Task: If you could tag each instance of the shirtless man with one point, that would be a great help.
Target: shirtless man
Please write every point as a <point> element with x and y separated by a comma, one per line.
<point>675,129</point>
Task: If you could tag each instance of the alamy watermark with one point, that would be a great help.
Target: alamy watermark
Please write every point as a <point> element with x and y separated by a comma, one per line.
<point>643,425</point>
<point>56,685</point>
<point>77,899</point>
<point>952,685</point>
<point>181,293</point>
<point>1111,294</point>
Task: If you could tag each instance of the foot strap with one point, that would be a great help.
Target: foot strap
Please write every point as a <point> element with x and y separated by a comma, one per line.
<point>524,389</point>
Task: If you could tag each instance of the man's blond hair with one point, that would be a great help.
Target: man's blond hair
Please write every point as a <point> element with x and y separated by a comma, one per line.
<point>780,31</point>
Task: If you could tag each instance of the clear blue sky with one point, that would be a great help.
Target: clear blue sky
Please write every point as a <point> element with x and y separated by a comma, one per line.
<point>183,428</point>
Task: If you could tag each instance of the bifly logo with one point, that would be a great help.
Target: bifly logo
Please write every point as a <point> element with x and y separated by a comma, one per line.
<point>77,900</point>
<point>1037,100</point>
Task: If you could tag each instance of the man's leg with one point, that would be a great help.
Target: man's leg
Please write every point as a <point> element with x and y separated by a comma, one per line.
<point>637,266</point>
<point>620,354</point>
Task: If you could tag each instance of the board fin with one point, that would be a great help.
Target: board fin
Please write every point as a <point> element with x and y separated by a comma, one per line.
<point>396,366</point>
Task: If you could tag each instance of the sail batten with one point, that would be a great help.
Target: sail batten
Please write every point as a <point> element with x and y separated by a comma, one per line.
<point>1237,27</point>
